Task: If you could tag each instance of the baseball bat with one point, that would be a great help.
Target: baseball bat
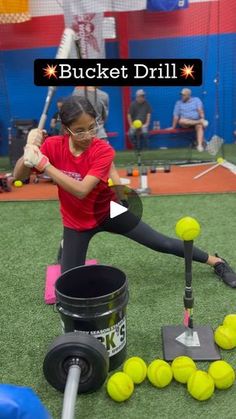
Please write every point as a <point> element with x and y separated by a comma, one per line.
<point>63,51</point>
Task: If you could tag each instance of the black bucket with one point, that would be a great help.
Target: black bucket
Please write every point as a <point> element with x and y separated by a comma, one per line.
<point>93,299</point>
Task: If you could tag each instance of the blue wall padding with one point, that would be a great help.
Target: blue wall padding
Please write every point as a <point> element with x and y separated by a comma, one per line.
<point>20,98</point>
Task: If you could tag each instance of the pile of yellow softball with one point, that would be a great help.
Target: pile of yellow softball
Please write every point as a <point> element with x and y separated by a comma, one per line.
<point>200,384</point>
<point>120,386</point>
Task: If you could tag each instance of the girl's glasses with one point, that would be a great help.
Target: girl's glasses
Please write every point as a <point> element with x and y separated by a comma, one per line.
<point>82,134</point>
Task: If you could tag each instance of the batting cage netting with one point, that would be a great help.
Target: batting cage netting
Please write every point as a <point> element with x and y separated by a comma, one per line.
<point>114,29</point>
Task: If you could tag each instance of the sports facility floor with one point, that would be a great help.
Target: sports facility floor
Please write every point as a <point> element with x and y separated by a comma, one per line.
<point>179,181</point>
<point>30,234</point>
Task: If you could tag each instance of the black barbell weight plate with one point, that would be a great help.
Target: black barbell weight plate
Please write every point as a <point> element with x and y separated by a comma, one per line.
<point>93,360</point>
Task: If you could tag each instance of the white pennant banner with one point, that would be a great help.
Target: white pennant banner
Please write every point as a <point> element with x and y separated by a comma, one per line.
<point>89,31</point>
<point>101,6</point>
<point>87,20</point>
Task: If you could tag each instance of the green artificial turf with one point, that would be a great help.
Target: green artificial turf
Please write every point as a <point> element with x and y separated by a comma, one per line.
<point>30,234</point>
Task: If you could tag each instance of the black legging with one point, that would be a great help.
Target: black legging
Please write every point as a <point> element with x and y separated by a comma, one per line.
<point>76,242</point>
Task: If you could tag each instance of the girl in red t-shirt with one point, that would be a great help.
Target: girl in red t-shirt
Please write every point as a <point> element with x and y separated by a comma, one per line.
<point>79,164</point>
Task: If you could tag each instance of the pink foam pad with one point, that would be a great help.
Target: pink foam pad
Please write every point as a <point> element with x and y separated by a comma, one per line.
<point>52,273</point>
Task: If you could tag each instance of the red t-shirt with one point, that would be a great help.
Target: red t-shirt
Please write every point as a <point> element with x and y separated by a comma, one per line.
<point>82,214</point>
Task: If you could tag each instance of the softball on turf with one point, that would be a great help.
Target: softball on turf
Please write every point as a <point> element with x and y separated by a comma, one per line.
<point>137,124</point>
<point>225,337</point>
<point>220,160</point>
<point>201,385</point>
<point>222,373</point>
<point>136,368</point>
<point>230,321</point>
<point>187,228</point>
<point>18,183</point>
<point>182,368</point>
<point>159,373</point>
<point>120,387</point>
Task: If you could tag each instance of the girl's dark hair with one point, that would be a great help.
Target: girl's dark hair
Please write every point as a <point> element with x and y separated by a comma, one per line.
<point>73,107</point>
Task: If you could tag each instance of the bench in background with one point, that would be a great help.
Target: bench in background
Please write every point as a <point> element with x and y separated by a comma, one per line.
<point>170,131</point>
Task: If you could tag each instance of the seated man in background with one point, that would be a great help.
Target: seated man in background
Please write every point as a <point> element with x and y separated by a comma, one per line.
<point>139,110</point>
<point>188,112</point>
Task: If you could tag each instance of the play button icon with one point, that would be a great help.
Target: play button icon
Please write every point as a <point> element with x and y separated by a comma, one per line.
<point>123,209</point>
<point>116,209</point>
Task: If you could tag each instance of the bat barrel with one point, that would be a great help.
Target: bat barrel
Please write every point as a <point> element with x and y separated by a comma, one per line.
<point>43,118</point>
<point>63,51</point>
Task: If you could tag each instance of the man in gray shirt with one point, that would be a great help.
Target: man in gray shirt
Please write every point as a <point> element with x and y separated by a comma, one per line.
<point>100,101</point>
<point>139,110</point>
